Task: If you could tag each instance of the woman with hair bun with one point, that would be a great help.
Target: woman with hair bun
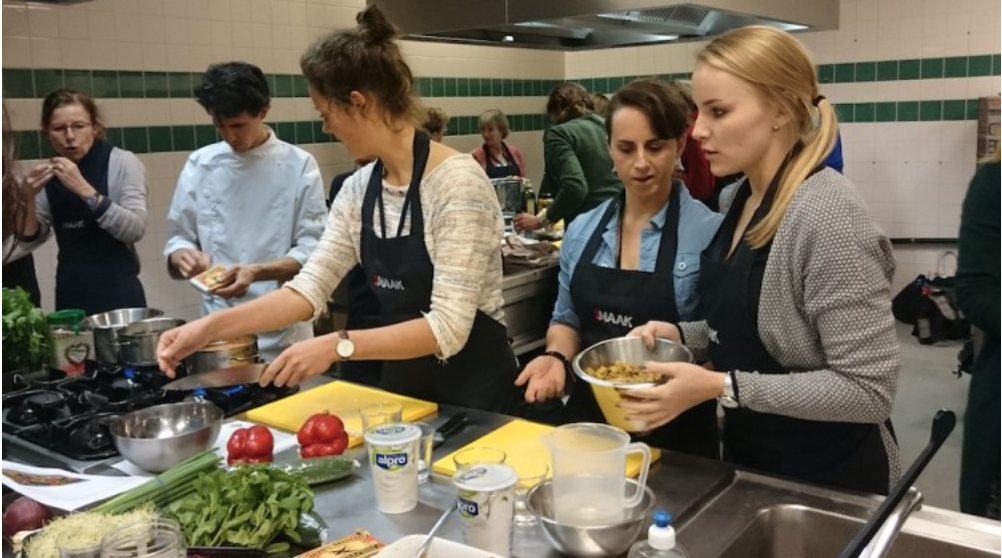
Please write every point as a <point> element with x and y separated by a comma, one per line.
<point>577,166</point>
<point>795,285</point>
<point>422,220</point>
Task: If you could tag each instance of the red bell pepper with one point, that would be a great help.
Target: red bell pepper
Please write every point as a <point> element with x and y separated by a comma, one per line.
<point>254,444</point>
<point>322,434</point>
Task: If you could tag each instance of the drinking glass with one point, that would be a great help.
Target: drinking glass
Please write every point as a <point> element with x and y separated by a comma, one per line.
<point>158,538</point>
<point>70,548</point>
<point>425,443</point>
<point>529,475</point>
<point>383,412</point>
<point>478,455</point>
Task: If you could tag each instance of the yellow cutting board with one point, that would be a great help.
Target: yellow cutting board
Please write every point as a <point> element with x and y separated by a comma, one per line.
<point>520,440</point>
<point>338,398</point>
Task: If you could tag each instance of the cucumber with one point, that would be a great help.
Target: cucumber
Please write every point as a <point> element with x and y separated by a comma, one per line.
<point>318,470</point>
<point>312,530</point>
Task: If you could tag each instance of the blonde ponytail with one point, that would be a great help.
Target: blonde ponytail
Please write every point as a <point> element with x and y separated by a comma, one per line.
<point>815,150</point>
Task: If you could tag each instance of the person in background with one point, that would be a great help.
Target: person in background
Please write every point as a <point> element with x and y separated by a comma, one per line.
<point>795,286</point>
<point>436,123</point>
<point>92,195</point>
<point>499,159</point>
<point>977,283</point>
<point>600,104</point>
<point>251,202</point>
<point>695,172</point>
<point>578,170</point>
<point>433,263</point>
<point>360,303</point>
<point>635,256</point>
<point>18,264</point>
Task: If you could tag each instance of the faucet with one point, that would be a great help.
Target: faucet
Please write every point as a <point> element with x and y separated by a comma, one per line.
<point>884,537</point>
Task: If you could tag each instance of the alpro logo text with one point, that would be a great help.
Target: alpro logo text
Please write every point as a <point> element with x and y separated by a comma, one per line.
<point>386,283</point>
<point>467,508</point>
<point>390,461</point>
<point>613,318</point>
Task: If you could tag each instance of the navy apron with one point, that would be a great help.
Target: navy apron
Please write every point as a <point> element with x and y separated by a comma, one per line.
<point>495,169</point>
<point>838,454</point>
<point>400,272</point>
<point>610,302</point>
<point>95,271</point>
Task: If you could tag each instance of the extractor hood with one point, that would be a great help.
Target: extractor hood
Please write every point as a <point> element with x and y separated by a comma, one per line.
<point>574,25</point>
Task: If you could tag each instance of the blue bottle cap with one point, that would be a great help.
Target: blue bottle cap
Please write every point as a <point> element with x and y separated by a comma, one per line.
<point>661,518</point>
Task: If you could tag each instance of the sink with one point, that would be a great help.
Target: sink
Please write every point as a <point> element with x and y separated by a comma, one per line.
<point>792,531</point>
<point>760,516</point>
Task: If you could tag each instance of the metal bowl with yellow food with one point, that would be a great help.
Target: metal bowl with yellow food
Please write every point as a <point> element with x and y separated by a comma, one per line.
<point>617,364</point>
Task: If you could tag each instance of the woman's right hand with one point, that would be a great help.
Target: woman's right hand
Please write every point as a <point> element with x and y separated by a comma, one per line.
<point>656,330</point>
<point>37,179</point>
<point>545,376</point>
<point>177,343</point>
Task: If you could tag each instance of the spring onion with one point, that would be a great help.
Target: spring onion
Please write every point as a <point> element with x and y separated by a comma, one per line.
<point>166,487</point>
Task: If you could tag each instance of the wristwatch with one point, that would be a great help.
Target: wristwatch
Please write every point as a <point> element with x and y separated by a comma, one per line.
<point>728,398</point>
<point>93,201</point>
<point>345,346</point>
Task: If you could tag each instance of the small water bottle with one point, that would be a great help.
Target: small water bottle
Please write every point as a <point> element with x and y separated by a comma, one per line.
<point>660,541</point>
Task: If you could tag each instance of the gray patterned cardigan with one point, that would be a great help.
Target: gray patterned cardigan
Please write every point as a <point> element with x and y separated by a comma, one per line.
<point>825,314</point>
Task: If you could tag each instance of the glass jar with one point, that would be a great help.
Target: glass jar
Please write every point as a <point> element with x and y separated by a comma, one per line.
<point>158,538</point>
<point>72,340</point>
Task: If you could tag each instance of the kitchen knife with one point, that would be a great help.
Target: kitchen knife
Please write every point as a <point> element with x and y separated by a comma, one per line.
<point>449,428</point>
<point>223,377</point>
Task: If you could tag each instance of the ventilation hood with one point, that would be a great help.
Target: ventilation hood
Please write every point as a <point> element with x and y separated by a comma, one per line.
<point>573,25</point>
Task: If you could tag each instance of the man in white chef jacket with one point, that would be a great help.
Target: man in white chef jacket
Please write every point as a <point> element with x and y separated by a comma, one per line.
<point>251,202</point>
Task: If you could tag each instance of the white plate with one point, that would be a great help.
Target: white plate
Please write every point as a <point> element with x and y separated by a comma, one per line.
<point>440,548</point>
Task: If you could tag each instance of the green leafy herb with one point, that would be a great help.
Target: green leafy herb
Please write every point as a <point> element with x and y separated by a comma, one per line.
<point>252,506</point>
<point>25,333</point>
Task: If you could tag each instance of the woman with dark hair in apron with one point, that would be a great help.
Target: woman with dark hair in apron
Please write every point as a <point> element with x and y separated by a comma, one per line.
<point>425,225</point>
<point>796,284</point>
<point>632,259</point>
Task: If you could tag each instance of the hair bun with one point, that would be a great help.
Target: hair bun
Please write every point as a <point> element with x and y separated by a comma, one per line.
<point>373,27</point>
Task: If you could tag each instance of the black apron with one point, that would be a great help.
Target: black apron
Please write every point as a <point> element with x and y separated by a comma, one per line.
<point>21,273</point>
<point>610,302</point>
<point>95,271</point>
<point>362,308</point>
<point>495,169</point>
<point>838,454</point>
<point>400,272</point>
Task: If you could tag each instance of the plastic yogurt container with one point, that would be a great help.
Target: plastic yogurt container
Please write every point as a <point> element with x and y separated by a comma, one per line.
<point>393,459</point>
<point>486,504</point>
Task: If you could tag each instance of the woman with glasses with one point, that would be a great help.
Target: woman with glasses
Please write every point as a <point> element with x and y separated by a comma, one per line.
<point>92,195</point>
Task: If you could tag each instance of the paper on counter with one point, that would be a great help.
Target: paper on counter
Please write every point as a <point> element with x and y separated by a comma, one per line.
<point>283,441</point>
<point>62,489</point>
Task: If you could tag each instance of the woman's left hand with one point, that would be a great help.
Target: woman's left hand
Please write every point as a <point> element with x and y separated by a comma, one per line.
<point>527,222</point>
<point>302,361</point>
<point>688,385</point>
<point>69,175</point>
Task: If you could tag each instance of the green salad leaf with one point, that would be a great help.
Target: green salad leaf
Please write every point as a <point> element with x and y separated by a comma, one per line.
<point>251,506</point>
<point>25,333</point>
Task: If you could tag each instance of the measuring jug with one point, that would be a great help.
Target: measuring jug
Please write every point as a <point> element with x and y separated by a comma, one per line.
<point>589,473</point>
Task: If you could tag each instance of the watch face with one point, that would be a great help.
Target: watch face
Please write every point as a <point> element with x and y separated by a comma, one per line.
<point>345,348</point>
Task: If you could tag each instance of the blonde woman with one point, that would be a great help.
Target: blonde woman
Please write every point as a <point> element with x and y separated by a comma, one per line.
<point>499,159</point>
<point>796,284</point>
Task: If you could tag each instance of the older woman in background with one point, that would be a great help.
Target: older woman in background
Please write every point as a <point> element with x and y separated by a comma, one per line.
<point>92,195</point>
<point>499,159</point>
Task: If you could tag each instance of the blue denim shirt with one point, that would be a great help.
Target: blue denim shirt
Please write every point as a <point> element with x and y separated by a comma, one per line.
<point>697,225</point>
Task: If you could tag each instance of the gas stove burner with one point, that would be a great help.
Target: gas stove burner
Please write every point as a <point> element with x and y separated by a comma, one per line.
<point>90,436</point>
<point>31,408</point>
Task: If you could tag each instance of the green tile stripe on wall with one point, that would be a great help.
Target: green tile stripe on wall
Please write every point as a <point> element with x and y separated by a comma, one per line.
<point>158,139</point>
<point>27,83</point>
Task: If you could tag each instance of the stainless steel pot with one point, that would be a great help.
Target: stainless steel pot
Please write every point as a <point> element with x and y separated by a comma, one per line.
<point>137,342</point>
<point>107,325</point>
<point>223,354</point>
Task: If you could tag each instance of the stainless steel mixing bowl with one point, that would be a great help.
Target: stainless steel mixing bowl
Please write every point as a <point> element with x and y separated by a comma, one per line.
<point>630,350</point>
<point>157,438</point>
<point>595,541</point>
